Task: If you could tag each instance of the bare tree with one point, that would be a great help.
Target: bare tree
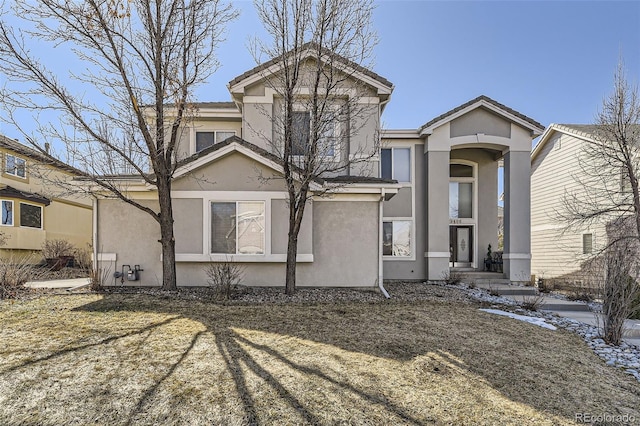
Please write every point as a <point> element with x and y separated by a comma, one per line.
<point>318,47</point>
<point>139,63</point>
<point>608,197</point>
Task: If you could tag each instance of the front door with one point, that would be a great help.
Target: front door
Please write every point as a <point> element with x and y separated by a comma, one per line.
<point>460,246</point>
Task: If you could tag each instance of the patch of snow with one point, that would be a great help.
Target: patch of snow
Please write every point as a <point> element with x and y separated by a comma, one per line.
<point>531,320</point>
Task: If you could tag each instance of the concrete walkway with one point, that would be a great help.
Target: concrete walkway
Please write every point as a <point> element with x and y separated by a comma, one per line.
<point>70,283</point>
<point>578,311</point>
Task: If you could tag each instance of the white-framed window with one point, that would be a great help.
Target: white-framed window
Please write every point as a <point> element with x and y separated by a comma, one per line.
<point>395,163</point>
<point>587,243</point>
<point>7,212</point>
<point>461,191</point>
<point>238,227</point>
<point>301,134</point>
<point>396,238</point>
<point>205,139</point>
<point>15,166</point>
<point>30,216</point>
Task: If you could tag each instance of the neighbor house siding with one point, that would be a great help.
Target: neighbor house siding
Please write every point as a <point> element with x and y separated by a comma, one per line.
<point>555,251</point>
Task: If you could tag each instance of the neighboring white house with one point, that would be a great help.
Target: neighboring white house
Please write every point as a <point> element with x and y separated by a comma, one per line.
<point>421,204</point>
<point>555,164</point>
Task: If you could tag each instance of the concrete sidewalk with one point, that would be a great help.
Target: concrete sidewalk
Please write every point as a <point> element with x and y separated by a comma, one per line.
<point>578,311</point>
<point>70,283</point>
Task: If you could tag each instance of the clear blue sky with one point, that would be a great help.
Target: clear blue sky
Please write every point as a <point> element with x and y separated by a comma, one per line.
<point>553,61</point>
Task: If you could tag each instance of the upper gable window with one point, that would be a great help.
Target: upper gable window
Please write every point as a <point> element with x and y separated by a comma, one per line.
<point>206,139</point>
<point>396,164</point>
<point>301,135</point>
<point>15,166</point>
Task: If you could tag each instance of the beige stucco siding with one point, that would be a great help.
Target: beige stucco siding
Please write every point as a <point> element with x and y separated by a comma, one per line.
<point>132,236</point>
<point>480,121</point>
<point>400,205</point>
<point>68,222</point>
<point>280,228</point>
<point>554,250</point>
<point>344,247</point>
<point>236,172</point>
<point>188,225</point>
<point>257,124</point>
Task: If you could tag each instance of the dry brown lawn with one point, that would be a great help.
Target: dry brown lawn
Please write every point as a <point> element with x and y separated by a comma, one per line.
<point>139,359</point>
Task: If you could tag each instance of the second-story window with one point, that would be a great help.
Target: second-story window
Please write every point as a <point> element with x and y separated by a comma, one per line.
<point>396,164</point>
<point>206,139</point>
<point>301,135</point>
<point>15,166</point>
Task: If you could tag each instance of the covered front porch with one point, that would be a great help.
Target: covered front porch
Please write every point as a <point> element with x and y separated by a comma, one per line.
<point>462,155</point>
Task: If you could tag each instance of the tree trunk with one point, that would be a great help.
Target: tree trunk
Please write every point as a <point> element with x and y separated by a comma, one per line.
<point>292,251</point>
<point>166,236</point>
<point>295,220</point>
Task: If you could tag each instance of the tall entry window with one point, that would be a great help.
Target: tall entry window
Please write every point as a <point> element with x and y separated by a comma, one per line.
<point>460,191</point>
<point>462,217</point>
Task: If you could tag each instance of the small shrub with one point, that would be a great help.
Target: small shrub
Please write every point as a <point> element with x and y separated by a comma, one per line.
<point>223,278</point>
<point>580,295</point>
<point>545,285</point>
<point>493,291</point>
<point>532,303</point>
<point>452,277</point>
<point>97,278</point>
<point>53,249</point>
<point>14,274</point>
<point>83,259</point>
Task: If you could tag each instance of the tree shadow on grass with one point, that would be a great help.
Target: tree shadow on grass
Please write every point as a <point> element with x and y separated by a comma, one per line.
<point>479,344</point>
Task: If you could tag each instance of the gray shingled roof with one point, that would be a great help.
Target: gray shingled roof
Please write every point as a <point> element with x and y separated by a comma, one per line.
<point>41,158</point>
<point>309,47</point>
<point>11,192</point>
<point>222,105</point>
<point>588,129</point>
<point>529,120</point>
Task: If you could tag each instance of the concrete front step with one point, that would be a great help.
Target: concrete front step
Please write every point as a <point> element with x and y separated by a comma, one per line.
<point>560,305</point>
<point>504,287</point>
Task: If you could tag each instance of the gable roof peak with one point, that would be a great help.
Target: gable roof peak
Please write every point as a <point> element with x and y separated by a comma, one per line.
<point>307,50</point>
<point>484,100</point>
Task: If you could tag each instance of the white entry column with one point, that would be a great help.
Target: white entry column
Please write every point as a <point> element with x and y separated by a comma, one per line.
<point>437,217</point>
<point>517,216</point>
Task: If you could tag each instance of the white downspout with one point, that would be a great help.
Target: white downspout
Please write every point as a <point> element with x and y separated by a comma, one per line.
<point>380,244</point>
<point>95,233</point>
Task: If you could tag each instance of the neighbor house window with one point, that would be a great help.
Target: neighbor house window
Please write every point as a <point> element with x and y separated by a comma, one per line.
<point>206,139</point>
<point>587,243</point>
<point>396,164</point>
<point>301,135</point>
<point>237,227</point>
<point>30,216</point>
<point>7,212</point>
<point>15,166</point>
<point>396,238</point>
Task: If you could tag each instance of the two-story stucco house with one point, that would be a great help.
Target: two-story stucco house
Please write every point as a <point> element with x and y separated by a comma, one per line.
<point>32,210</point>
<point>425,202</point>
